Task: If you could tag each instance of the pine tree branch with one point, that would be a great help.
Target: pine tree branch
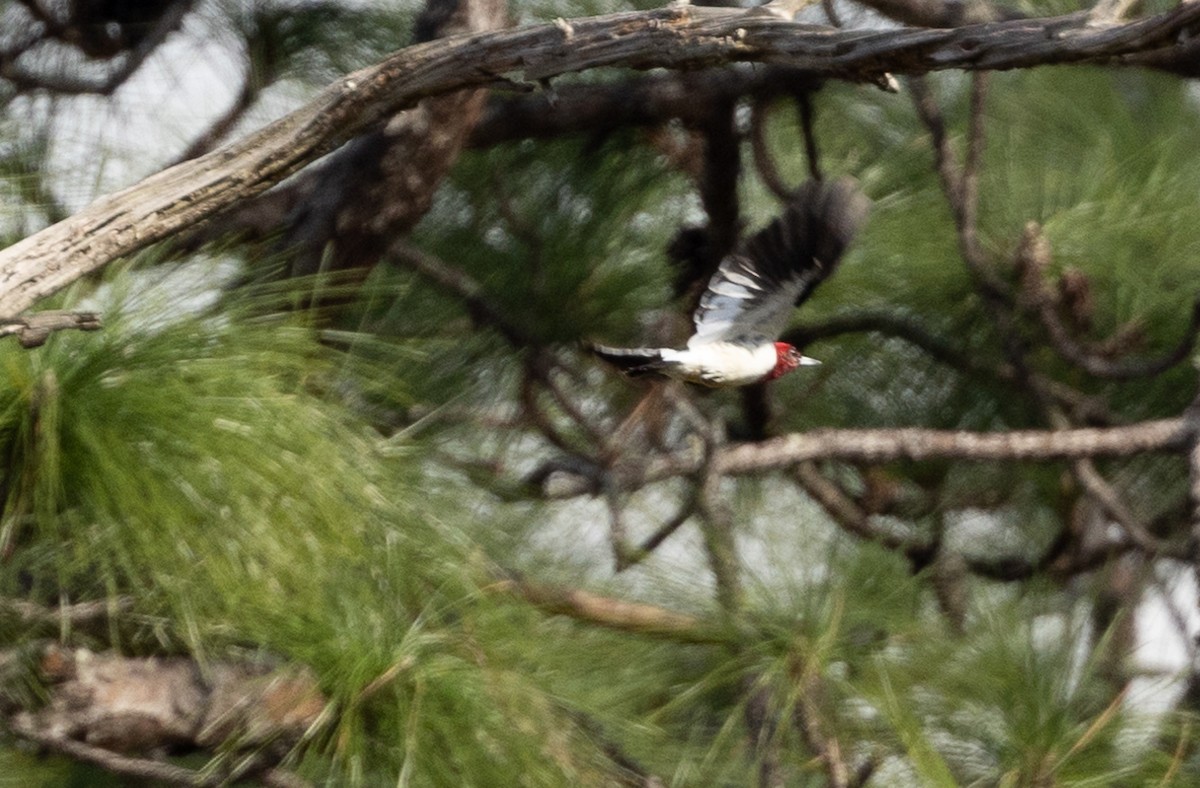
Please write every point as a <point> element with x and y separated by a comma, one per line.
<point>674,37</point>
<point>31,614</point>
<point>916,444</point>
<point>1085,407</point>
<point>109,761</point>
<point>1033,258</point>
<point>103,707</point>
<point>610,613</point>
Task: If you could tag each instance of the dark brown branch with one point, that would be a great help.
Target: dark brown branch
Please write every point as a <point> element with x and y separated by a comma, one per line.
<point>634,101</point>
<point>1033,258</point>
<point>673,37</point>
<point>465,288</point>
<point>960,184</point>
<point>168,22</point>
<point>1056,559</point>
<point>1102,492</point>
<point>1084,407</point>
<point>252,85</point>
<point>941,13</point>
<point>764,162</point>
<point>109,761</point>
<point>651,542</point>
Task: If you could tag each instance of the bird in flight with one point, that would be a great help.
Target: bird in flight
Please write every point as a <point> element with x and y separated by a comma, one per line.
<point>751,296</point>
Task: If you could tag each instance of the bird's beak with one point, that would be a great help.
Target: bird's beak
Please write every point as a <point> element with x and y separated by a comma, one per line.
<point>805,361</point>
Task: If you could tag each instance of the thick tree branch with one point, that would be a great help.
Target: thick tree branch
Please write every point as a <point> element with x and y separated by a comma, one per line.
<point>674,37</point>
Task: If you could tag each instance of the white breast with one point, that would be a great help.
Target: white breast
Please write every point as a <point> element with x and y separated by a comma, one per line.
<point>721,363</point>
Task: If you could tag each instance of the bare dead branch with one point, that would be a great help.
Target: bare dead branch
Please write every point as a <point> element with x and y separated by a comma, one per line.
<point>1164,436</point>
<point>103,707</point>
<point>1103,493</point>
<point>673,37</point>
<point>32,330</point>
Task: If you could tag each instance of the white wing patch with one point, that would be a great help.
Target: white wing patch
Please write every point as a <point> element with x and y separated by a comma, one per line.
<point>739,307</point>
<point>751,296</point>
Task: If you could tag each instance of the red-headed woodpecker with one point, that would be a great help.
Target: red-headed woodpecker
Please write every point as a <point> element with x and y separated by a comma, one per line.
<point>751,296</point>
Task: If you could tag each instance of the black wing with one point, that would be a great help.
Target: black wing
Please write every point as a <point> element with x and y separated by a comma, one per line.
<point>751,296</point>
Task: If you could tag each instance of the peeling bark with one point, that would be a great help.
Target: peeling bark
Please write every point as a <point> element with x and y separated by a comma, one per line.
<point>676,37</point>
<point>142,705</point>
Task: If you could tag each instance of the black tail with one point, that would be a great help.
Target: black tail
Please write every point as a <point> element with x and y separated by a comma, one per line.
<point>634,362</point>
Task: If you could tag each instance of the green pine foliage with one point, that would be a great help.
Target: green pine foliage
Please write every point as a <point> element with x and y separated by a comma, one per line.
<point>268,484</point>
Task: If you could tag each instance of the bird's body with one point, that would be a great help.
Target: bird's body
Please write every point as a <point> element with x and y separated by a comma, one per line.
<point>717,364</point>
<point>749,299</point>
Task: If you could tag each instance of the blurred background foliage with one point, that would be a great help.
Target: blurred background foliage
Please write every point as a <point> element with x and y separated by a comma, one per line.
<point>345,489</point>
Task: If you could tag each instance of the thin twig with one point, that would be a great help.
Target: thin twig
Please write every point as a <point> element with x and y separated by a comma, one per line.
<point>611,613</point>
<point>764,163</point>
<point>1033,258</point>
<point>1086,408</point>
<point>465,287</point>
